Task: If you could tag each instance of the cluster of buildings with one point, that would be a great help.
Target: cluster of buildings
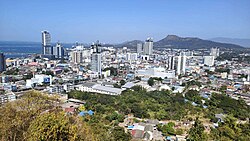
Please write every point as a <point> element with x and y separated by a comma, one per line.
<point>108,70</point>
<point>50,51</point>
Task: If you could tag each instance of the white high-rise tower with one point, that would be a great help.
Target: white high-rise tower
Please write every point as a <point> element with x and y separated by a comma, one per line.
<point>181,66</point>
<point>58,51</point>
<point>46,43</point>
<point>148,47</point>
<point>96,63</point>
<point>215,52</point>
<point>139,48</point>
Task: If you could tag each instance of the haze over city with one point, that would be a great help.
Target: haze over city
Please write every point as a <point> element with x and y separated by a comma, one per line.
<point>118,21</point>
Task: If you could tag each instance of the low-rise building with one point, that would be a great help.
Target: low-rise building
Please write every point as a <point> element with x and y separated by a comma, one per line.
<point>98,88</point>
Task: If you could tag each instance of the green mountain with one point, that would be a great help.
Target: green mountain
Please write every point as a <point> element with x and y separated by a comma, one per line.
<point>173,41</point>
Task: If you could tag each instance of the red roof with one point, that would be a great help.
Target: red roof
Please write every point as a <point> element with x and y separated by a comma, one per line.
<point>70,110</point>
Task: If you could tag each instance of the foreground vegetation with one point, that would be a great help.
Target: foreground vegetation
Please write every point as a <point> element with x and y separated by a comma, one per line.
<point>37,116</point>
<point>163,105</point>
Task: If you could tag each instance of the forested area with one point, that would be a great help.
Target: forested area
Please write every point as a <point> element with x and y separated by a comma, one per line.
<point>164,105</point>
<point>37,116</point>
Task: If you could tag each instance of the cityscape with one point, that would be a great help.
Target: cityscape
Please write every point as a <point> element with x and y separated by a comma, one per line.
<point>177,88</point>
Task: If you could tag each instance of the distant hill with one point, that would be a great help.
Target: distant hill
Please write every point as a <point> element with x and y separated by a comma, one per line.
<point>241,42</point>
<point>174,41</point>
<point>130,44</point>
<point>170,41</point>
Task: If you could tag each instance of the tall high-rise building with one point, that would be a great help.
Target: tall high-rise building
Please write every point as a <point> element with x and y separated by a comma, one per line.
<point>215,52</point>
<point>46,43</point>
<point>58,51</point>
<point>148,47</point>
<point>76,56</point>
<point>96,63</point>
<point>171,63</point>
<point>208,60</point>
<point>2,62</point>
<point>131,56</point>
<point>139,48</point>
<point>181,66</point>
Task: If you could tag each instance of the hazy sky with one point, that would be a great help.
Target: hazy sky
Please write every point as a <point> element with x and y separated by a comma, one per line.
<point>116,21</point>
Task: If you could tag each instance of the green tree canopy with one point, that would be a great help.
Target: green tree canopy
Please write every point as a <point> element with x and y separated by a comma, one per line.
<point>56,125</point>
<point>196,133</point>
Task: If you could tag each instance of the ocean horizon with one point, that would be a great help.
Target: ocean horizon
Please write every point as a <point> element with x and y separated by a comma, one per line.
<point>18,49</point>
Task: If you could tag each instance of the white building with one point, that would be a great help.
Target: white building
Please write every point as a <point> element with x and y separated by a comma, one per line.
<point>224,75</point>
<point>98,88</point>
<point>76,56</point>
<point>58,51</point>
<point>145,57</point>
<point>208,60</point>
<point>156,72</point>
<point>39,79</point>
<point>131,56</point>
<point>181,66</point>
<point>96,58</point>
<point>215,52</point>
<point>7,98</point>
<point>46,43</point>
<point>139,48</point>
<point>148,47</point>
<point>171,63</point>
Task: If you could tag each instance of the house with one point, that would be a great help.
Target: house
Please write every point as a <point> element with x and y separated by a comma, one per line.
<point>70,110</point>
<point>153,121</point>
<point>194,87</point>
<point>136,133</point>
<point>149,128</point>
<point>148,135</point>
<point>164,87</point>
<point>128,85</point>
<point>98,88</point>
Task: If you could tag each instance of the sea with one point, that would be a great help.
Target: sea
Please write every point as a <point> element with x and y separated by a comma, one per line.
<point>17,49</point>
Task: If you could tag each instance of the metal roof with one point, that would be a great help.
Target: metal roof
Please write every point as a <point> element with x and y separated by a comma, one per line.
<point>107,89</point>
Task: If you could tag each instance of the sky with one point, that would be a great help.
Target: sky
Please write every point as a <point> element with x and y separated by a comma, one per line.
<point>115,21</point>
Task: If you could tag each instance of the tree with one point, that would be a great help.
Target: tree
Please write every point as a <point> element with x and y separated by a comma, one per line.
<point>116,85</point>
<point>167,129</point>
<point>122,82</point>
<point>138,78</point>
<point>48,72</point>
<point>193,82</point>
<point>194,96</point>
<point>16,116</point>
<point>52,126</point>
<point>137,88</point>
<point>82,108</point>
<point>56,125</point>
<point>113,71</point>
<point>179,131</point>
<point>118,134</point>
<point>196,133</point>
<point>13,71</point>
<point>223,88</point>
<point>150,81</point>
